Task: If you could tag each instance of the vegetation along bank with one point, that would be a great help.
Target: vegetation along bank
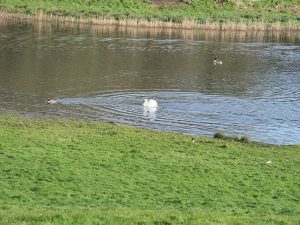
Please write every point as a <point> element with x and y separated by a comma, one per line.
<point>189,14</point>
<point>56,171</point>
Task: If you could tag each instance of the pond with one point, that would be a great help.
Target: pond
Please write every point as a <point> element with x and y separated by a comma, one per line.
<point>105,73</point>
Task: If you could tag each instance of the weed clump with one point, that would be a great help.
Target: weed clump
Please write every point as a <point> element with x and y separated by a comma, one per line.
<point>244,139</point>
<point>221,135</point>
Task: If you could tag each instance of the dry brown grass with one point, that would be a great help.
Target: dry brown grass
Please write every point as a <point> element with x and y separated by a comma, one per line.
<point>185,34</point>
<point>186,24</point>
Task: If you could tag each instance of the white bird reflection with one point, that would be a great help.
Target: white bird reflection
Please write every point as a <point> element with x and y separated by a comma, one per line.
<point>150,113</point>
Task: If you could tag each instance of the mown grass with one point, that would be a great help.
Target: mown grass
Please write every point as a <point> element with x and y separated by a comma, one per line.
<point>188,13</point>
<point>137,217</point>
<point>56,171</point>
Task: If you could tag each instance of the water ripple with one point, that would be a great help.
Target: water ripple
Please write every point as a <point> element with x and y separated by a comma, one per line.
<point>196,113</point>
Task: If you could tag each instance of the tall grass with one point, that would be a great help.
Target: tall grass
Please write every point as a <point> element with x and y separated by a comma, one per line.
<point>191,25</point>
<point>191,15</point>
<point>185,34</point>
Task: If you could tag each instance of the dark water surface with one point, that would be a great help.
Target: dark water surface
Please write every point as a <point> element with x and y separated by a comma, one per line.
<point>104,73</point>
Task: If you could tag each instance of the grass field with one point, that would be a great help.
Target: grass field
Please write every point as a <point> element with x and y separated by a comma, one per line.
<point>264,14</point>
<point>55,171</point>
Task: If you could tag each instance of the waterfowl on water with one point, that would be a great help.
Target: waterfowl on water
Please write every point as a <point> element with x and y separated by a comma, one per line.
<point>150,103</point>
<point>217,61</point>
<point>51,101</point>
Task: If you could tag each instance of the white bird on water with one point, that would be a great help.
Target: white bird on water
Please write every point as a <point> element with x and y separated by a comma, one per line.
<point>150,103</point>
<point>51,101</point>
<point>217,61</point>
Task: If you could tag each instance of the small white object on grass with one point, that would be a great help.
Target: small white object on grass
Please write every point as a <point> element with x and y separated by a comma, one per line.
<point>269,162</point>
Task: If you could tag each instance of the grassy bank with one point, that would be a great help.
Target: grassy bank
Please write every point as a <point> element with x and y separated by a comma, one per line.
<point>190,14</point>
<point>55,171</point>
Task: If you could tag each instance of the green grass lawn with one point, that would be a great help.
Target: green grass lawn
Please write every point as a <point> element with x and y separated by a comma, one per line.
<point>55,171</point>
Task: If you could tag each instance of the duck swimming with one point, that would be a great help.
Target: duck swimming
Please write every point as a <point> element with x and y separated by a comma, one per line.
<point>150,103</point>
<point>216,61</point>
<point>51,101</point>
